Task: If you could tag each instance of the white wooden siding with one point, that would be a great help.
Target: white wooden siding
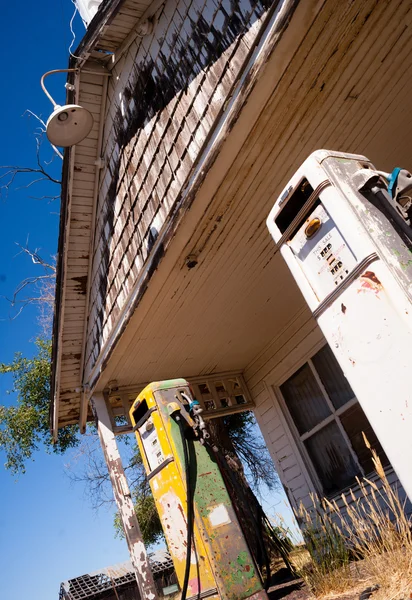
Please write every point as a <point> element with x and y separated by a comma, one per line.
<point>272,366</point>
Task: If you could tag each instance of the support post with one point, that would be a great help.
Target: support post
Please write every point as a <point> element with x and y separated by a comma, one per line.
<point>123,499</point>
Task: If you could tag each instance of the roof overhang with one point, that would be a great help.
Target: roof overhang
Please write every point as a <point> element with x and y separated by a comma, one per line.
<point>315,81</point>
<point>252,91</point>
<point>108,35</point>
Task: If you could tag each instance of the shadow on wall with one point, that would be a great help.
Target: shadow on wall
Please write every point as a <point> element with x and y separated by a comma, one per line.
<point>205,31</point>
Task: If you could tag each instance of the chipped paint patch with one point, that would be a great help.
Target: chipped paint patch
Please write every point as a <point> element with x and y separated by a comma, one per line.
<point>173,518</point>
<point>370,283</point>
<point>219,516</point>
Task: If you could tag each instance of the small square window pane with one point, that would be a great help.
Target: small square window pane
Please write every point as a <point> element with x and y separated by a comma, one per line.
<point>332,377</point>
<point>220,388</point>
<point>355,422</point>
<point>332,459</point>
<point>305,400</point>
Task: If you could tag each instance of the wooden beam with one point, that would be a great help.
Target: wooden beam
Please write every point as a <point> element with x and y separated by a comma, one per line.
<point>123,499</point>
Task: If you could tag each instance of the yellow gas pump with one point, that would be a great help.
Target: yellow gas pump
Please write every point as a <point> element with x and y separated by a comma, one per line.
<point>205,540</point>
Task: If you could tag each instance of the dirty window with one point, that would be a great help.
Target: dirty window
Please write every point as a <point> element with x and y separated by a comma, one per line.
<point>305,399</point>
<point>355,422</point>
<point>330,423</point>
<point>332,459</point>
<point>332,377</point>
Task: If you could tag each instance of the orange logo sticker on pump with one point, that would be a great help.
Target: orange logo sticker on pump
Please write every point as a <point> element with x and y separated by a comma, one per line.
<point>313,227</point>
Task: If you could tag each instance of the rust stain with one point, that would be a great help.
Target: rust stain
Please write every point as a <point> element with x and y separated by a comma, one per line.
<point>369,282</point>
<point>371,275</point>
<point>82,281</point>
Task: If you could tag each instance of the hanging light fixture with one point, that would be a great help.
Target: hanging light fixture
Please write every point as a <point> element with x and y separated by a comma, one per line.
<point>69,124</point>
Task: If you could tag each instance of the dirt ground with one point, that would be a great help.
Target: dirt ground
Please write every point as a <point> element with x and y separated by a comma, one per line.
<point>282,587</point>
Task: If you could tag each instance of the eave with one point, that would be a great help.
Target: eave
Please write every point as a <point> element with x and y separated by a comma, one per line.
<point>109,33</point>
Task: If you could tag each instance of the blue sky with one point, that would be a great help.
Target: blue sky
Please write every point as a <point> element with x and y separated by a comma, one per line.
<point>48,531</point>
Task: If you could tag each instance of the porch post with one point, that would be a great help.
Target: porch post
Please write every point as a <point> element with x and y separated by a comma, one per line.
<point>123,499</point>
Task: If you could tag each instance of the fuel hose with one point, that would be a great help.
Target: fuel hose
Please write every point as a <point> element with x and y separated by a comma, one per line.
<point>190,514</point>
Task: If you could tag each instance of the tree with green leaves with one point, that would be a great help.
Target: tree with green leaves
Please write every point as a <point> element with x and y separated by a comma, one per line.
<point>24,426</point>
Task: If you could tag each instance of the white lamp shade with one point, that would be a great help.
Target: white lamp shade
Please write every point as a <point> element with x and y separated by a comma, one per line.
<point>68,125</point>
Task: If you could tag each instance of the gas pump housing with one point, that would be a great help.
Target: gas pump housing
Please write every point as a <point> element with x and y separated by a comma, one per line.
<point>221,565</point>
<point>353,265</point>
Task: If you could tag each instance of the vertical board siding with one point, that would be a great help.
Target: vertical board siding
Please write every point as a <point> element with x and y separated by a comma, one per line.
<point>274,362</point>
<point>165,96</point>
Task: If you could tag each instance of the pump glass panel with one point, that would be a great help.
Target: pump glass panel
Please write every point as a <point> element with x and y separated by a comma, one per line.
<point>150,441</point>
<point>324,256</point>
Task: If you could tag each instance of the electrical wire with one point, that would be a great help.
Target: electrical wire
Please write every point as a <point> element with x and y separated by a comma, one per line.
<point>72,31</point>
<point>190,514</point>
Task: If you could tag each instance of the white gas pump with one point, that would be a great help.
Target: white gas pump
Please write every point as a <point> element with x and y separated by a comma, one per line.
<point>343,229</point>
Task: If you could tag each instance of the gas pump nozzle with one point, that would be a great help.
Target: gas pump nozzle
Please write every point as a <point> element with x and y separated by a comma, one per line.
<point>392,197</point>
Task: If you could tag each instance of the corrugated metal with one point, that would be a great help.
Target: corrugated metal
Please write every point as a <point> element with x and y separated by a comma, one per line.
<point>95,584</point>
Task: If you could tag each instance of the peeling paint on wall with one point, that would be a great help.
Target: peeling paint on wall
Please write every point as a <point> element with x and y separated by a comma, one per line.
<point>164,100</point>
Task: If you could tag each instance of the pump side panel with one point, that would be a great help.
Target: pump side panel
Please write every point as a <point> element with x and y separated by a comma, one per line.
<point>389,245</point>
<point>235,572</point>
<point>369,329</point>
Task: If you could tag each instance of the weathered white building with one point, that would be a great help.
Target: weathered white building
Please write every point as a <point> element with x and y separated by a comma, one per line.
<point>203,109</point>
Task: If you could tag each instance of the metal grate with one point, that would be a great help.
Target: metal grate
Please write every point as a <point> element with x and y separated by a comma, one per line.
<point>93,586</point>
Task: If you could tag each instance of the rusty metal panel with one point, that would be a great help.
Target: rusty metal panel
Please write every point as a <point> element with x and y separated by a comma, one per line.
<point>221,565</point>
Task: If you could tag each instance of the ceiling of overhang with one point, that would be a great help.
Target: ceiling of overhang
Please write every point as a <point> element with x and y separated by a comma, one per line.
<point>338,93</point>
<point>346,89</point>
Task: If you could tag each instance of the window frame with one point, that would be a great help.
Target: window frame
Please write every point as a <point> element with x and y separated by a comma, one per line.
<point>333,417</point>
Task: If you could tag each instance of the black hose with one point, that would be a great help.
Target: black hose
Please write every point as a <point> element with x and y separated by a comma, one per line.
<point>189,515</point>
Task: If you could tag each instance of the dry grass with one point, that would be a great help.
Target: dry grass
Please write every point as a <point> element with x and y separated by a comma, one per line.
<point>373,528</point>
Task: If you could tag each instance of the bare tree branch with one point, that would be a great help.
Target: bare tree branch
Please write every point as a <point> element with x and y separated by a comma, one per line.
<point>41,290</point>
<point>51,198</point>
<point>87,466</point>
<point>9,173</point>
<point>42,131</point>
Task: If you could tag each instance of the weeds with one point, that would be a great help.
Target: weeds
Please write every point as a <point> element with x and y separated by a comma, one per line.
<point>371,527</point>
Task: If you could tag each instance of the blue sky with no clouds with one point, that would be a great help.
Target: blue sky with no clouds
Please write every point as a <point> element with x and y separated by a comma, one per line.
<point>48,531</point>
